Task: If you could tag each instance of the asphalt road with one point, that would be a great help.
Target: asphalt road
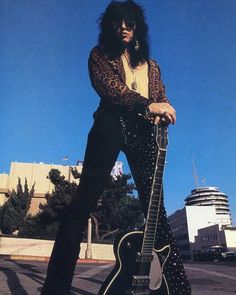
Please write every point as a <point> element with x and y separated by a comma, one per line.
<point>26,278</point>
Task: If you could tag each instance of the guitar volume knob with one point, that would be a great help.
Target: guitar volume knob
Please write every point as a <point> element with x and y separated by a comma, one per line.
<point>129,245</point>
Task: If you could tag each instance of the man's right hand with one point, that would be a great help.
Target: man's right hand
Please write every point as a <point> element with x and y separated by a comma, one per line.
<point>163,110</point>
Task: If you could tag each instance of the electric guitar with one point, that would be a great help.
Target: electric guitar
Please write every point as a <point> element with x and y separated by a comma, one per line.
<point>139,261</point>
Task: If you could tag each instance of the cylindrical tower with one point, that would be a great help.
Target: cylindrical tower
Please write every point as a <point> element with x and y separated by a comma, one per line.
<point>211,196</point>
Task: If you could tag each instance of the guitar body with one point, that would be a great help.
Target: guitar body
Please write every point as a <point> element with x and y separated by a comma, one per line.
<point>121,280</point>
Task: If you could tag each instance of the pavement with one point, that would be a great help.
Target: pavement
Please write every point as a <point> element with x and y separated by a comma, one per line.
<point>20,277</point>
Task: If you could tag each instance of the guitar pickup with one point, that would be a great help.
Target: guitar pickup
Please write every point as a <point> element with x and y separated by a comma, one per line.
<point>144,257</point>
<point>141,281</point>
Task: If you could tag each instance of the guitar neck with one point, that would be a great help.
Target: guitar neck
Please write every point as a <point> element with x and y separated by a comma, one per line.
<point>154,204</point>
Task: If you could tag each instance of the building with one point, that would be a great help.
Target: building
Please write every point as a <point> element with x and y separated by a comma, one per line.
<point>37,173</point>
<point>185,224</point>
<point>117,169</point>
<point>204,222</point>
<point>212,236</point>
<point>34,173</point>
<point>212,196</point>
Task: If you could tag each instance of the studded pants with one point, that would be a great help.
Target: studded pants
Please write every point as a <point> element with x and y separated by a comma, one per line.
<point>109,135</point>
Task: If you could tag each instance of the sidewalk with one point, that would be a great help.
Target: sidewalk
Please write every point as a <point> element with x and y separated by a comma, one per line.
<point>19,277</point>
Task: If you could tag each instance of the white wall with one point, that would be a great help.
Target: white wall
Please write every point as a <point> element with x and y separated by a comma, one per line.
<point>199,217</point>
<point>230,237</point>
<point>42,248</point>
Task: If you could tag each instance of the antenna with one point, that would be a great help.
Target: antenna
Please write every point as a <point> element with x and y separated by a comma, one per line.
<point>195,174</point>
<point>204,181</point>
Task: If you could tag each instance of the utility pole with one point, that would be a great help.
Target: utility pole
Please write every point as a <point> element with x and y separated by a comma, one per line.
<point>88,251</point>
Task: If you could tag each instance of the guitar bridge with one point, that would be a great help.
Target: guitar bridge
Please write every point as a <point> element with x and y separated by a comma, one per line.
<point>138,292</point>
<point>142,292</point>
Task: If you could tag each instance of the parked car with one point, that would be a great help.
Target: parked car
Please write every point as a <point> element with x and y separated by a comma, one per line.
<point>215,253</point>
<point>229,256</point>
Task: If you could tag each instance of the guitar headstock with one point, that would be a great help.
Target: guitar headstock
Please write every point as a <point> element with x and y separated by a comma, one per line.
<point>162,136</point>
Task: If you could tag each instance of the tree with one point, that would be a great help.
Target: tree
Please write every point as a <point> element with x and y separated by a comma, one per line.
<point>57,202</point>
<point>16,208</point>
<point>119,209</point>
<point>32,228</point>
<point>45,224</point>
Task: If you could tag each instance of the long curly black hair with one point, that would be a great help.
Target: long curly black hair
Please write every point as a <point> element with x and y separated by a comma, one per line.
<point>127,11</point>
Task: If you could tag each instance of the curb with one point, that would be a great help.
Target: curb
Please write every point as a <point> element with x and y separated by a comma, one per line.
<point>46,259</point>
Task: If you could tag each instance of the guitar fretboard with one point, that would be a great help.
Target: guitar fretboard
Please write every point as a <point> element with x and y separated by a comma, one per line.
<point>155,201</point>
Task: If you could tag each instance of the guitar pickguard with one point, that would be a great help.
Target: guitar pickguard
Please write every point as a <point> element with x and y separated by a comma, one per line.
<point>156,271</point>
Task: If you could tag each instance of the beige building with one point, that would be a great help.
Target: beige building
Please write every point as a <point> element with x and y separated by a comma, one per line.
<point>34,173</point>
<point>214,236</point>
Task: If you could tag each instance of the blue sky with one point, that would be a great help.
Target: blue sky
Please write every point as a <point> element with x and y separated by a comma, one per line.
<point>47,102</point>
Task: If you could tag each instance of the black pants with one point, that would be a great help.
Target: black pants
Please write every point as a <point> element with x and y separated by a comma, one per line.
<point>109,135</point>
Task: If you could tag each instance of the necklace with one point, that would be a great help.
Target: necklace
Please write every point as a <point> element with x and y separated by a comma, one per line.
<point>134,85</point>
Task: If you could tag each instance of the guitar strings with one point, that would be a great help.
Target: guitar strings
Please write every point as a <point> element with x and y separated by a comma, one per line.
<point>143,266</point>
<point>146,266</point>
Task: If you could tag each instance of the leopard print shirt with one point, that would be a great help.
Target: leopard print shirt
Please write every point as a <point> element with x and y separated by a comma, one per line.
<point>108,79</point>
